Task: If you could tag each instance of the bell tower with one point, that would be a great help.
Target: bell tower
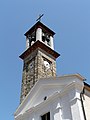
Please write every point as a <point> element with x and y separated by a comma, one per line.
<point>39,58</point>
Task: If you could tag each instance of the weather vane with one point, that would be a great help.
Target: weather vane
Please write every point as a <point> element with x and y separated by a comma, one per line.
<point>39,18</point>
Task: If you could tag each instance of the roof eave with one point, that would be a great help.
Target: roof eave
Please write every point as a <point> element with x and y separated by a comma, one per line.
<point>40,25</point>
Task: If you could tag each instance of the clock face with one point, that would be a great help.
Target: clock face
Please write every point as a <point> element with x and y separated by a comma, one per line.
<point>47,64</point>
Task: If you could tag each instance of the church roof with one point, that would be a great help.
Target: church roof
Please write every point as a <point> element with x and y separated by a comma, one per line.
<point>87,86</point>
<point>41,25</point>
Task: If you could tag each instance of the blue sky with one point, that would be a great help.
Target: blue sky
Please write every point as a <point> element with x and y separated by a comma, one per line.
<point>70,19</point>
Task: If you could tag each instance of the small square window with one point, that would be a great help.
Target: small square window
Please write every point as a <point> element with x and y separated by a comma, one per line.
<point>46,116</point>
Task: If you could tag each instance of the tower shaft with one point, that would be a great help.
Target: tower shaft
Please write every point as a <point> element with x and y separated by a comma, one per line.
<point>39,59</point>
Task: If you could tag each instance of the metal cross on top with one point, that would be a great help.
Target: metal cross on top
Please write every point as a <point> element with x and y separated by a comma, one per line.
<point>39,18</point>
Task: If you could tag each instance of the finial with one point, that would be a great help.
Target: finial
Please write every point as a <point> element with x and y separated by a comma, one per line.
<point>40,16</point>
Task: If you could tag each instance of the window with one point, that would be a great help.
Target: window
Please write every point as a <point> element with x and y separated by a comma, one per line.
<point>32,38</point>
<point>48,41</point>
<point>46,116</point>
<point>46,38</point>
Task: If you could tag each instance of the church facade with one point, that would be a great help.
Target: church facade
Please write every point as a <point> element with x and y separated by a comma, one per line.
<point>44,96</point>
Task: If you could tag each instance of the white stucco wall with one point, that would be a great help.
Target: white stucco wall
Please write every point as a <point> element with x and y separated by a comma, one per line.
<point>63,100</point>
<point>86,101</point>
<point>62,106</point>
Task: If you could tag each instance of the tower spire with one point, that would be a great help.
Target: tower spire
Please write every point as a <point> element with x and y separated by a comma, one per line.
<point>39,18</point>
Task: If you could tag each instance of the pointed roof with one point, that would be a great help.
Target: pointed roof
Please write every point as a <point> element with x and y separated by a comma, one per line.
<point>41,25</point>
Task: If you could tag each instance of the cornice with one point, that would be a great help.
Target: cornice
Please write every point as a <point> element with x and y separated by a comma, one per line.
<point>41,45</point>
